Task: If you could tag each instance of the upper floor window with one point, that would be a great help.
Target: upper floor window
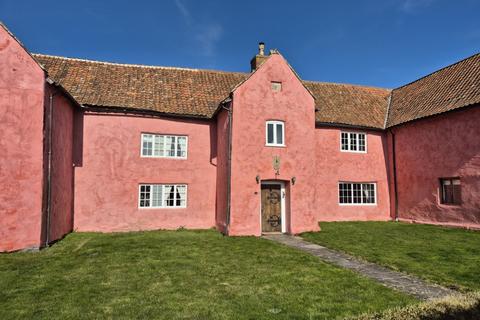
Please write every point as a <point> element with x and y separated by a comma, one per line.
<point>164,146</point>
<point>451,191</point>
<point>353,141</point>
<point>162,196</point>
<point>275,133</point>
<point>357,193</point>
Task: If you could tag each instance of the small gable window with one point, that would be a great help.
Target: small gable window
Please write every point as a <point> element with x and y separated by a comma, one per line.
<point>353,142</point>
<point>451,191</point>
<point>275,133</point>
<point>276,86</point>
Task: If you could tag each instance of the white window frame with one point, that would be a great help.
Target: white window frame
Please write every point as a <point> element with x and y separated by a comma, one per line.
<point>162,206</point>
<point>361,191</point>
<point>275,123</point>
<point>153,145</point>
<point>349,144</point>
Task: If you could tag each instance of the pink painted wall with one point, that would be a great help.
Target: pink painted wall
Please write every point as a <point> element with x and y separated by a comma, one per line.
<point>254,103</point>
<point>442,146</point>
<point>61,219</point>
<point>111,169</point>
<point>222,170</point>
<point>22,84</point>
<point>333,166</point>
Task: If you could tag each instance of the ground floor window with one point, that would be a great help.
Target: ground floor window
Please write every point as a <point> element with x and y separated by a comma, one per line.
<point>162,195</point>
<point>451,191</point>
<point>357,193</point>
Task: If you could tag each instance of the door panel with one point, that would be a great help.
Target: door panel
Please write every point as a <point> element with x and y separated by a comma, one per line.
<point>271,208</point>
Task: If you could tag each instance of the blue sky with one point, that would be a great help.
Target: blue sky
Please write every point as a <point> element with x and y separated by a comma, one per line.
<point>381,43</point>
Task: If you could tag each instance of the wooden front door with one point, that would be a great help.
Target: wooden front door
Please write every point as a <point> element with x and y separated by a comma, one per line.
<point>271,208</point>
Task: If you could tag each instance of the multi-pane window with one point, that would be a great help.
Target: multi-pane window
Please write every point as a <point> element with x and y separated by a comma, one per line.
<point>356,193</point>
<point>165,146</point>
<point>353,141</point>
<point>162,196</point>
<point>451,191</point>
<point>275,135</point>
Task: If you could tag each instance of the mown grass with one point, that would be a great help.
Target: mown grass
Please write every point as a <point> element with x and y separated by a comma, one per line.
<point>447,256</point>
<point>181,275</point>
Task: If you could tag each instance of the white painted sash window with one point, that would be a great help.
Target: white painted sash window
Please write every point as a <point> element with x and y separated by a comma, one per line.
<point>350,193</point>
<point>275,133</point>
<point>353,142</point>
<point>164,146</point>
<point>162,196</point>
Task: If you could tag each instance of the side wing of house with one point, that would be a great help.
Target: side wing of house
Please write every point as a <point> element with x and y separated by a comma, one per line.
<point>437,164</point>
<point>144,173</point>
<point>434,125</point>
<point>22,88</point>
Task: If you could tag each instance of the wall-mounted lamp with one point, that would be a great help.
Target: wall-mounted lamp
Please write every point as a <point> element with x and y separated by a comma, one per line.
<point>294,179</point>
<point>258,179</point>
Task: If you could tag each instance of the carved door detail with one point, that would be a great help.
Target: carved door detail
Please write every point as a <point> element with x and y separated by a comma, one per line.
<point>271,208</point>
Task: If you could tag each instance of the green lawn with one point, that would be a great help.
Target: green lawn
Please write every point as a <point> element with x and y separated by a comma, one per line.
<point>450,257</point>
<point>181,275</point>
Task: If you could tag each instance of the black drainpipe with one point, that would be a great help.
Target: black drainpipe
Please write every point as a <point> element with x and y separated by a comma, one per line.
<point>49,169</point>
<point>229,165</point>
<point>394,160</point>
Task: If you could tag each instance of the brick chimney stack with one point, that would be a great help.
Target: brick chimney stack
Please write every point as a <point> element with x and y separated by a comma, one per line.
<point>259,58</point>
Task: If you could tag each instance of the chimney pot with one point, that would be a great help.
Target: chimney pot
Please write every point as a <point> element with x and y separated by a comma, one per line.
<point>259,58</point>
<point>261,48</point>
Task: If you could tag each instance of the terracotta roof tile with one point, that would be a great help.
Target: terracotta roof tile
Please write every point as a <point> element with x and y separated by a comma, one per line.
<point>452,87</point>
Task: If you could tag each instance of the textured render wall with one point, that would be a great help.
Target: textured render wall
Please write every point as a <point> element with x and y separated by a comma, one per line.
<point>253,104</point>
<point>21,143</point>
<point>334,165</point>
<point>61,219</point>
<point>443,146</point>
<point>222,170</point>
<point>110,169</point>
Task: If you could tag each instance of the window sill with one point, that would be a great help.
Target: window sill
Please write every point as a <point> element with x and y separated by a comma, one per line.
<point>161,208</point>
<point>168,158</point>
<point>348,151</point>
<point>276,145</point>
<point>447,205</point>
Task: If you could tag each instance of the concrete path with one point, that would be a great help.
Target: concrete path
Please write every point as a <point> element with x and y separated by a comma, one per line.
<point>396,280</point>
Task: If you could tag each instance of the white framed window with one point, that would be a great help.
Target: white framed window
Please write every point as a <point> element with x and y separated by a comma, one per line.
<point>353,141</point>
<point>353,193</point>
<point>275,133</point>
<point>162,196</point>
<point>164,146</point>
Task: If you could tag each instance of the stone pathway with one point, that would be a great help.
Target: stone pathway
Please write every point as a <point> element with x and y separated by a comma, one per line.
<point>396,280</point>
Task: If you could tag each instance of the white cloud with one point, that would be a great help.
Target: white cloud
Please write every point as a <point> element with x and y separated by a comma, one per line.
<point>208,38</point>
<point>411,6</point>
<point>184,11</point>
<point>205,35</point>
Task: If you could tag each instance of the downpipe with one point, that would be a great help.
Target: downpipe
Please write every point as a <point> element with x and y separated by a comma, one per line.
<point>49,169</point>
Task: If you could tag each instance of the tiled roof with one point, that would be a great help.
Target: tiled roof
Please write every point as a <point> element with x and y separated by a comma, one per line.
<point>176,91</point>
<point>452,87</point>
<point>198,93</point>
<point>191,92</point>
<point>350,104</point>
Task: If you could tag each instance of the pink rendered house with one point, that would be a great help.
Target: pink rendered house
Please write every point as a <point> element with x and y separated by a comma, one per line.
<point>98,146</point>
